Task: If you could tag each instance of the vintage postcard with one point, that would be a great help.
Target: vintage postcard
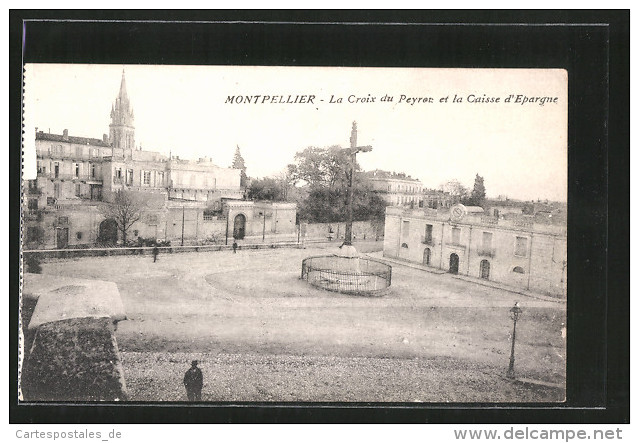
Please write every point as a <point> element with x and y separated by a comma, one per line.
<point>283,234</point>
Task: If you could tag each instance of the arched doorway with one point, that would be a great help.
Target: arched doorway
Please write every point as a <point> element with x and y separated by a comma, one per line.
<point>239,226</point>
<point>453,267</point>
<point>427,257</point>
<point>108,233</point>
<point>484,269</point>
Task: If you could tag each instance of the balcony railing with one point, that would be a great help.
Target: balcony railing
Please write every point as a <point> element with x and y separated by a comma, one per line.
<point>486,252</point>
<point>82,177</point>
<point>428,240</point>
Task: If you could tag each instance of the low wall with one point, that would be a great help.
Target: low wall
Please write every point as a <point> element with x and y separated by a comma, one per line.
<point>100,252</point>
<point>361,230</point>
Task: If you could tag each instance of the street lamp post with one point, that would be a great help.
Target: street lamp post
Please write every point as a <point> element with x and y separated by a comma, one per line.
<point>352,152</point>
<point>264,226</point>
<point>515,311</point>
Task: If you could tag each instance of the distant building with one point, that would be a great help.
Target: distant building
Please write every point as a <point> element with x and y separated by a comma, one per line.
<point>436,199</point>
<point>76,174</point>
<point>519,252</point>
<point>397,189</point>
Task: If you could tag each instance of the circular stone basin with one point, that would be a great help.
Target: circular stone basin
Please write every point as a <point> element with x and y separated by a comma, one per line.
<point>348,275</point>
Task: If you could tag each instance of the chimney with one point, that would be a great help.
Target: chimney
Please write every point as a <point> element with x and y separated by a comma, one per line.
<point>65,134</point>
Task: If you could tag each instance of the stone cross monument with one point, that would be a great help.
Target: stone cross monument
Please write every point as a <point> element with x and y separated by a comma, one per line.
<point>347,248</point>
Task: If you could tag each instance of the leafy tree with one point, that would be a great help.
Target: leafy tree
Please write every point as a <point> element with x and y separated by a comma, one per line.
<point>126,209</point>
<point>325,172</point>
<point>322,167</point>
<point>238,163</point>
<point>266,189</point>
<point>478,194</point>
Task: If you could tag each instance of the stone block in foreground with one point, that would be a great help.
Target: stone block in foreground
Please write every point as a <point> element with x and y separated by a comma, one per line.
<point>74,360</point>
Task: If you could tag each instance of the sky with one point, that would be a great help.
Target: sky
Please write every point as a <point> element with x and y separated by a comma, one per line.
<point>520,149</point>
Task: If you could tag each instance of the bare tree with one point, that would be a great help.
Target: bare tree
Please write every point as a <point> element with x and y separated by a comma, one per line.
<point>458,191</point>
<point>126,208</point>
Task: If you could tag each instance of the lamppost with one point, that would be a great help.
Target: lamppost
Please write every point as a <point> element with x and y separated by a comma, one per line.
<point>515,311</point>
<point>352,152</point>
<point>264,226</point>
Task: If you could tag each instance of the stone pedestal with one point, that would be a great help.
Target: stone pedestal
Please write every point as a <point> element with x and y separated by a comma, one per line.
<point>348,251</point>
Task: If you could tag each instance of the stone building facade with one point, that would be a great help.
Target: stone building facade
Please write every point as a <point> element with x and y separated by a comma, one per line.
<point>397,189</point>
<point>182,199</point>
<point>517,252</point>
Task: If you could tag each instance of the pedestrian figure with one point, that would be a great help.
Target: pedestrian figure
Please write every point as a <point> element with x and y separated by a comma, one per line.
<point>234,247</point>
<point>155,253</point>
<point>193,381</point>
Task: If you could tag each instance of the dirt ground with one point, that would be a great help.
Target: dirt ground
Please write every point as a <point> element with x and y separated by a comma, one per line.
<point>262,334</point>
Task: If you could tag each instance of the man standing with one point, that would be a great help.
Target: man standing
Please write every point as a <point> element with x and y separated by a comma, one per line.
<point>193,381</point>
<point>155,253</point>
<point>234,246</point>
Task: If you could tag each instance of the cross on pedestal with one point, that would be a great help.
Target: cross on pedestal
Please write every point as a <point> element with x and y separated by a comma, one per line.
<point>352,151</point>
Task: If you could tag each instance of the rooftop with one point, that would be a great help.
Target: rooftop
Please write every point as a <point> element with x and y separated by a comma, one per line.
<point>381,174</point>
<point>40,135</point>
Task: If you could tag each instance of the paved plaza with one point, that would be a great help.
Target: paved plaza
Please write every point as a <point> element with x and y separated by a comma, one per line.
<point>262,334</point>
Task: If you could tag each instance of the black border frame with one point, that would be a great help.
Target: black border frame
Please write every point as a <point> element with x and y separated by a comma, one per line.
<point>592,45</point>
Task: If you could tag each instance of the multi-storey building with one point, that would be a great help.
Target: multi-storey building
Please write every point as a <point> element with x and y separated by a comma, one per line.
<point>77,176</point>
<point>520,251</point>
<point>397,189</point>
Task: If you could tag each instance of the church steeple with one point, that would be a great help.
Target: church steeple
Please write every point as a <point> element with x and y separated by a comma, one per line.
<point>121,129</point>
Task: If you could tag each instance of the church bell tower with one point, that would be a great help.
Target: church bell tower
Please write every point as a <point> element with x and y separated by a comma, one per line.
<point>121,129</point>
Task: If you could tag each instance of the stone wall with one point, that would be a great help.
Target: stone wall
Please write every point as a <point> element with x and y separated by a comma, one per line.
<point>369,230</point>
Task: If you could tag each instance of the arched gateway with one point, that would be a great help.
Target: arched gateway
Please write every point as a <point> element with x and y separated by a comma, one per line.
<point>239,227</point>
<point>453,267</point>
<point>108,233</point>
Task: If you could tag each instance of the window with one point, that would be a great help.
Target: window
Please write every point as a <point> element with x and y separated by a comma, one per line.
<point>78,235</point>
<point>33,204</point>
<point>129,176</point>
<point>63,220</point>
<point>456,236</point>
<point>147,177</point>
<point>428,236</point>
<point>405,228</point>
<point>518,269</point>
<point>152,219</point>
<point>50,201</point>
<point>78,190</point>
<point>160,178</point>
<point>521,246</point>
<point>56,190</point>
<point>487,240</point>
<point>78,151</point>
<point>34,234</point>
<point>93,171</point>
<point>404,245</point>
<point>118,173</point>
